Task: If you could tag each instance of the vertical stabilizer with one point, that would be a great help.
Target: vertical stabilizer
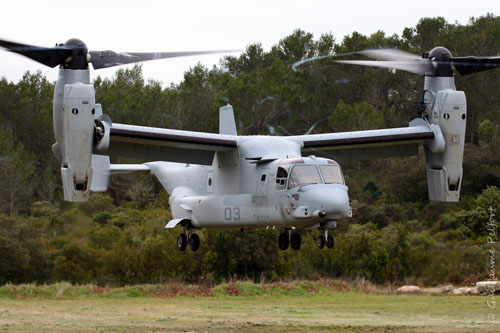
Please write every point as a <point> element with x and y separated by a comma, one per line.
<point>227,124</point>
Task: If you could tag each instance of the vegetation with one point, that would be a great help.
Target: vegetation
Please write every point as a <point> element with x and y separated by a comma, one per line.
<point>68,291</point>
<point>395,236</point>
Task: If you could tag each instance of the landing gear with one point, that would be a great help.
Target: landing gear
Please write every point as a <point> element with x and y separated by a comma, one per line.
<point>320,241</point>
<point>181,242</point>
<point>283,241</point>
<point>330,242</point>
<point>287,238</point>
<point>326,239</point>
<point>295,241</point>
<point>188,238</point>
<point>194,242</point>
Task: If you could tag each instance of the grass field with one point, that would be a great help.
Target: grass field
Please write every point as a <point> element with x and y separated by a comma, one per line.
<point>288,312</point>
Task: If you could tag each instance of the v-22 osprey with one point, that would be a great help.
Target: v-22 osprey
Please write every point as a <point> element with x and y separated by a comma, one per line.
<point>225,180</point>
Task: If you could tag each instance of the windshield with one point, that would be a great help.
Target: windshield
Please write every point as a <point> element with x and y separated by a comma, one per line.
<point>332,174</point>
<point>304,174</point>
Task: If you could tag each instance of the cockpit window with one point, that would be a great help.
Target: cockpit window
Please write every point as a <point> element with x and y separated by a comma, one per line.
<point>304,174</point>
<point>332,174</point>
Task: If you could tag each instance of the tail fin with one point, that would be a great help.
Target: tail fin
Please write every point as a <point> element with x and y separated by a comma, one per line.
<point>227,124</point>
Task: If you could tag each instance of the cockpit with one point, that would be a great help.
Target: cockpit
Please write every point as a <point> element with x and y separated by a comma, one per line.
<point>297,171</point>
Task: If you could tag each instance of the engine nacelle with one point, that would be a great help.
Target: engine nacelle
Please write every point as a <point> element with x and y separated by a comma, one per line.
<point>77,136</point>
<point>444,169</point>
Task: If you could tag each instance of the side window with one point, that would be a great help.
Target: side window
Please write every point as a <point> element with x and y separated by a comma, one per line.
<point>281,177</point>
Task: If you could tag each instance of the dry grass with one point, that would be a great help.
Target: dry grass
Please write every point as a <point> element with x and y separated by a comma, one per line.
<point>280,307</point>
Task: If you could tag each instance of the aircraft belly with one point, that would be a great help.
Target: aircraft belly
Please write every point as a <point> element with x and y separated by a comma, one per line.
<point>238,210</point>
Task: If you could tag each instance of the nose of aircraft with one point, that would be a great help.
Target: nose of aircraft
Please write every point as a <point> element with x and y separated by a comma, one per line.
<point>330,198</point>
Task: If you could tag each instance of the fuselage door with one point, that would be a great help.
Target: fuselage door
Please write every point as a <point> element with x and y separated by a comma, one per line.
<point>262,182</point>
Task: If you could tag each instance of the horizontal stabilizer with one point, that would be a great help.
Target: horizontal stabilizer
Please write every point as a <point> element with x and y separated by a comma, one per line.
<point>102,169</point>
<point>117,169</point>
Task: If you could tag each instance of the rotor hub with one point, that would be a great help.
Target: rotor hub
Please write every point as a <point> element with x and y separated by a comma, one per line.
<point>441,61</point>
<point>78,58</point>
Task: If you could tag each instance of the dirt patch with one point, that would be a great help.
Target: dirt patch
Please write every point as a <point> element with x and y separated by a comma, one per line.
<point>98,290</point>
<point>233,290</point>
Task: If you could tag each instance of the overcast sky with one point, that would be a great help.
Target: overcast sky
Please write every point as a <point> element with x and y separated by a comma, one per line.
<point>148,25</point>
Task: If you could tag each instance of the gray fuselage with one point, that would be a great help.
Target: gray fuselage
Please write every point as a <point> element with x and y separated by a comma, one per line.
<point>242,190</point>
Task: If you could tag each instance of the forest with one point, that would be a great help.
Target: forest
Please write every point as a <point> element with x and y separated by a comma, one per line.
<point>396,235</point>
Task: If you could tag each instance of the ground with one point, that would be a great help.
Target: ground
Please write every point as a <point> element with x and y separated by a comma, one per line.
<point>337,311</point>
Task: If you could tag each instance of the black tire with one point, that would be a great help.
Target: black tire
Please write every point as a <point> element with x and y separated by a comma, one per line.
<point>194,242</point>
<point>181,242</point>
<point>320,241</point>
<point>283,241</point>
<point>330,242</point>
<point>296,241</point>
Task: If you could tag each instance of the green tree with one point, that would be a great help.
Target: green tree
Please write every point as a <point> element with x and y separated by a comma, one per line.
<point>16,167</point>
<point>355,117</point>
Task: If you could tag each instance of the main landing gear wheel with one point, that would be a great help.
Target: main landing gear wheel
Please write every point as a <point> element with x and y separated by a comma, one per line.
<point>320,241</point>
<point>330,242</point>
<point>296,241</point>
<point>181,242</point>
<point>194,242</point>
<point>283,241</point>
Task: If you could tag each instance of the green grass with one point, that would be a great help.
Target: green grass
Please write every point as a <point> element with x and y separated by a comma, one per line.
<point>67,291</point>
<point>272,289</point>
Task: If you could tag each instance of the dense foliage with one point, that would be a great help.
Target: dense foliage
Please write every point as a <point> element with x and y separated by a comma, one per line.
<point>396,234</point>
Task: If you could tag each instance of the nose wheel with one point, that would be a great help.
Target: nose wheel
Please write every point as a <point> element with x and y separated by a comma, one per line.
<point>320,241</point>
<point>330,242</point>
<point>325,239</point>
<point>188,238</point>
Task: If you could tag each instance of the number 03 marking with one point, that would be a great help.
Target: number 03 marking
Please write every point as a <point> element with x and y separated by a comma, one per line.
<point>232,214</point>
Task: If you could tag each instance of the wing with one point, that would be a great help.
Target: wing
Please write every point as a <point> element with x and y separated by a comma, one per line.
<point>158,144</point>
<point>364,145</point>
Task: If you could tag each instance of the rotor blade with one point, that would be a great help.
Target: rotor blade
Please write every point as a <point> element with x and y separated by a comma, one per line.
<point>105,59</point>
<point>422,67</point>
<point>304,61</point>
<point>49,56</point>
<point>470,65</point>
<point>382,54</point>
<point>390,54</point>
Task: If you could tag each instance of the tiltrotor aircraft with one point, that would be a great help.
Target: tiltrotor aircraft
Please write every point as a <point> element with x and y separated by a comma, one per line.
<point>225,180</point>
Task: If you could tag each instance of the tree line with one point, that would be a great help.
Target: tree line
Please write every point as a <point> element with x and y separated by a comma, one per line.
<point>396,234</point>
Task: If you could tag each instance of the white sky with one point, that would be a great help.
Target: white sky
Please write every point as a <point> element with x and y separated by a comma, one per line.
<point>185,25</point>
